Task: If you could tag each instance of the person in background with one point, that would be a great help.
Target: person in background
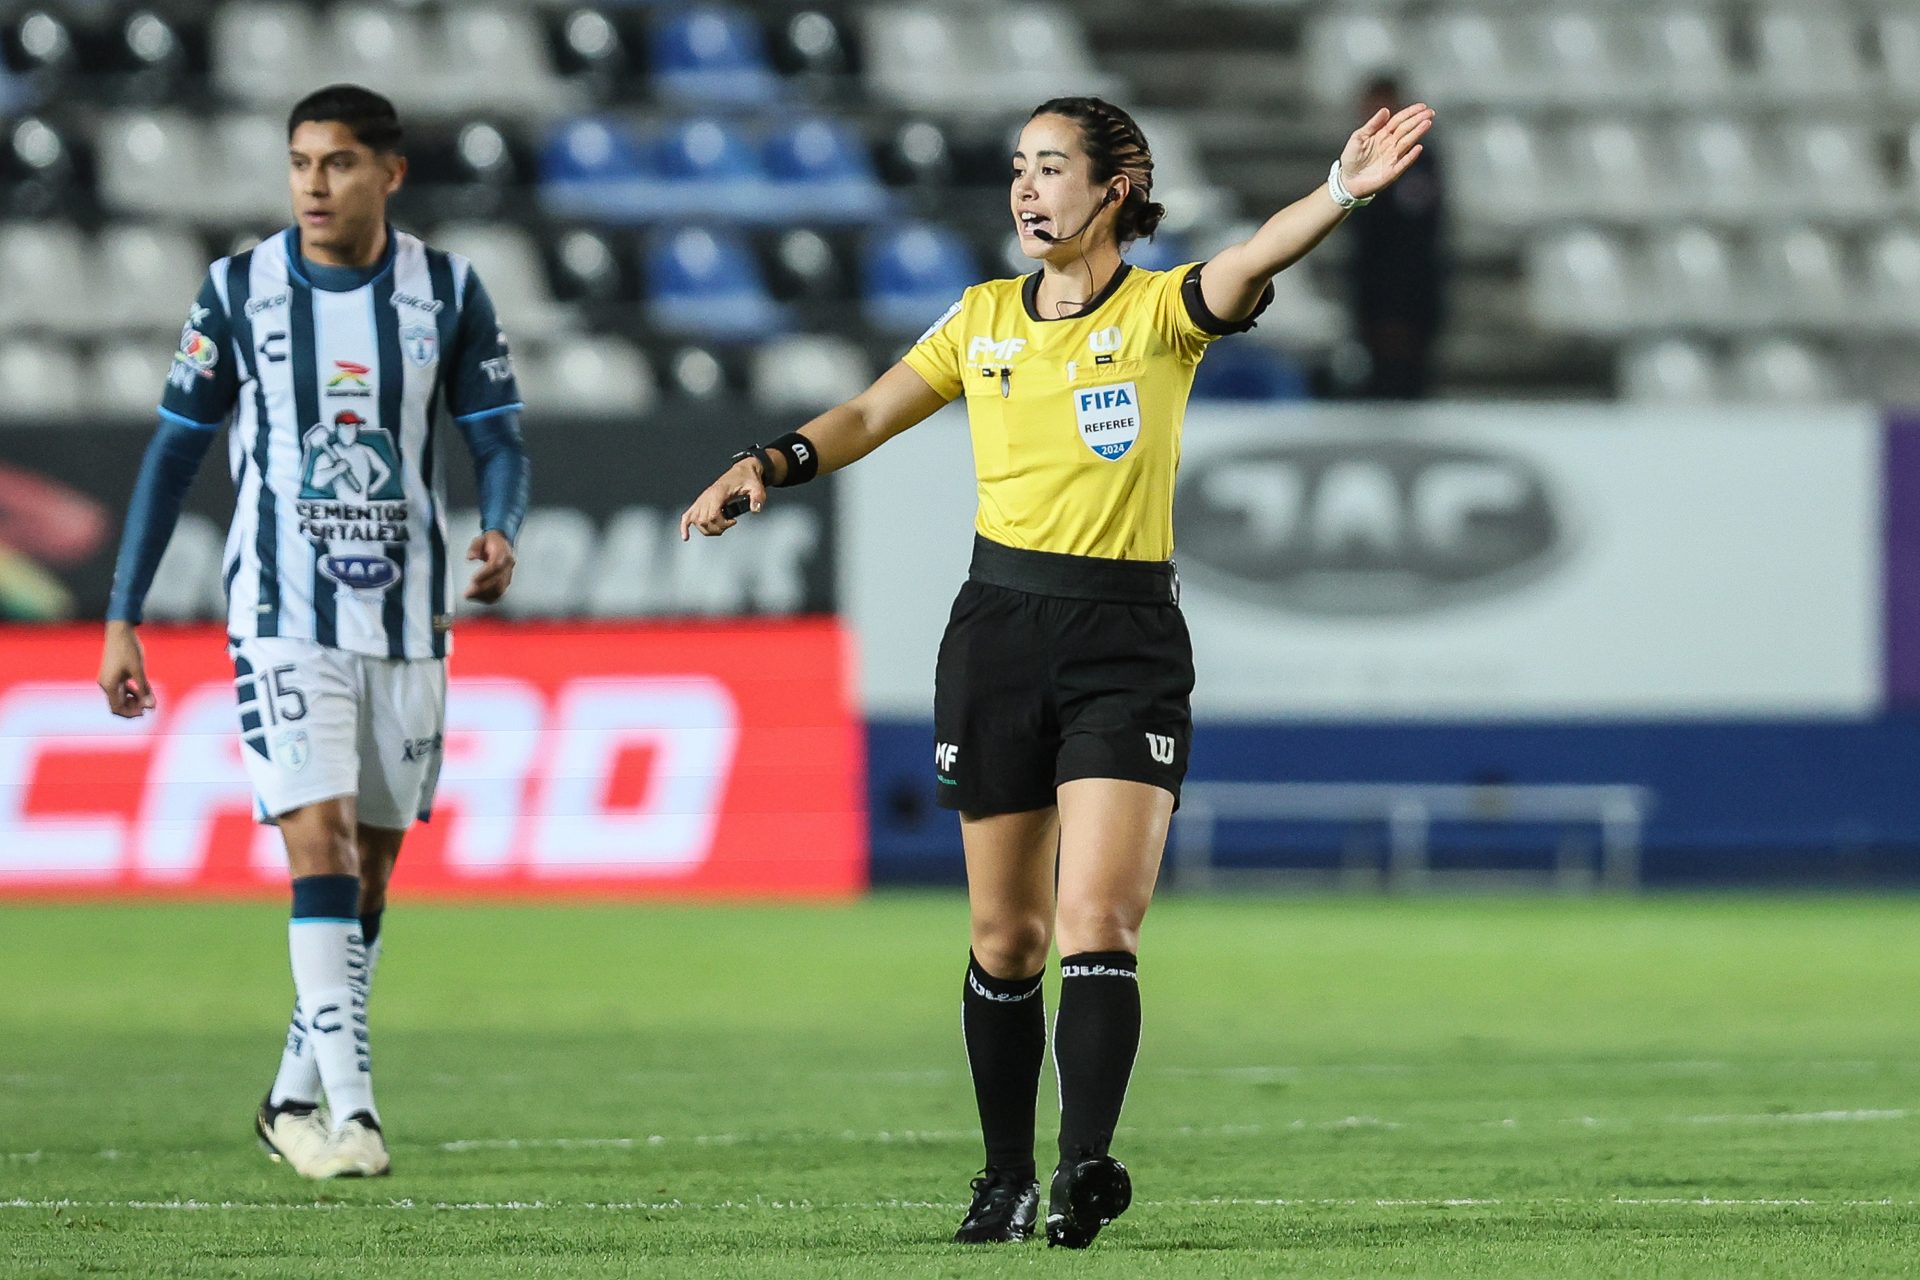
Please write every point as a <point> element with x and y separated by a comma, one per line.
<point>1399,271</point>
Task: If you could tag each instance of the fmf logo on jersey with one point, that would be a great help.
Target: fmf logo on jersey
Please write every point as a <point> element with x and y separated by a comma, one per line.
<point>1385,527</point>
<point>361,573</point>
<point>1109,418</point>
<point>629,760</point>
<point>349,379</point>
<point>994,348</point>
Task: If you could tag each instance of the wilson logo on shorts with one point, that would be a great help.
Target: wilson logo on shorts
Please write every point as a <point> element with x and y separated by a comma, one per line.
<point>1160,747</point>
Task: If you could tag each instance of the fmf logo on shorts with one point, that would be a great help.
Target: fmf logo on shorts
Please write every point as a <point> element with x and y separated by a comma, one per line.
<point>994,348</point>
<point>944,754</point>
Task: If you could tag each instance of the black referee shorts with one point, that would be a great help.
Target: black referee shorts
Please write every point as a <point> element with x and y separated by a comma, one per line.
<point>1059,667</point>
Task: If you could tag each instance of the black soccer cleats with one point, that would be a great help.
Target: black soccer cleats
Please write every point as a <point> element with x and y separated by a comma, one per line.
<point>1003,1211</point>
<point>1086,1195</point>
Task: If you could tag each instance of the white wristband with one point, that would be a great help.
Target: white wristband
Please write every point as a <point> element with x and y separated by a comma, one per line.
<point>1341,196</point>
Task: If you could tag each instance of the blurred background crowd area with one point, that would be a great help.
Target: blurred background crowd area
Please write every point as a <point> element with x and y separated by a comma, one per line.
<point>762,203</point>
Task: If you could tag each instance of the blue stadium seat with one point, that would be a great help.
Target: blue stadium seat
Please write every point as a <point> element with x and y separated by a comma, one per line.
<point>706,169</point>
<point>1240,370</point>
<point>913,274</point>
<point>594,168</point>
<point>713,54</point>
<point>822,170</point>
<point>707,282</point>
<point>1162,253</point>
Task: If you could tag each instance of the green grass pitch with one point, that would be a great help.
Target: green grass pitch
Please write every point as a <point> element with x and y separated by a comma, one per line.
<point>1328,1087</point>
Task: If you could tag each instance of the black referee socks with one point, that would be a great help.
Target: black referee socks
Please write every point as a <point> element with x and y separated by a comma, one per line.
<point>1095,1038</point>
<point>1004,1021</point>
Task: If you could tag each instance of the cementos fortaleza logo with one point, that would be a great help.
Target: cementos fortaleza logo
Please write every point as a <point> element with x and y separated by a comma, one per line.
<point>1369,528</point>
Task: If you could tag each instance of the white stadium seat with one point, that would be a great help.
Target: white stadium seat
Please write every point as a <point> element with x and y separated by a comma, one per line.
<point>807,372</point>
<point>1613,169</point>
<point>1810,54</point>
<point>1584,57</point>
<point>987,60</point>
<point>1344,49</point>
<point>145,278</point>
<point>1893,279</point>
<point>43,382</point>
<point>1834,170</point>
<point>1475,57</point>
<point>1691,280</point>
<point>1724,175</point>
<point>1179,177</point>
<point>515,278</point>
<point>1897,33</point>
<point>44,278</point>
<point>1686,57</point>
<point>1500,172</point>
<point>1779,369</point>
<point>1805,275</point>
<point>1581,281</point>
<point>125,379</point>
<point>268,54</point>
<point>497,58</point>
<point>1669,370</point>
<point>150,162</point>
<point>588,376</point>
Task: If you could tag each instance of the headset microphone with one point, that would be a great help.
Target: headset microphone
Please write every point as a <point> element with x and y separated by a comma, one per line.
<point>1050,238</point>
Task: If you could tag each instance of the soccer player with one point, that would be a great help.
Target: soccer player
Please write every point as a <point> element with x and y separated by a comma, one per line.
<point>1061,687</point>
<point>336,351</point>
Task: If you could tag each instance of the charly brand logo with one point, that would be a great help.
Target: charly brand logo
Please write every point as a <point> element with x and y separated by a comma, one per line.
<point>1377,528</point>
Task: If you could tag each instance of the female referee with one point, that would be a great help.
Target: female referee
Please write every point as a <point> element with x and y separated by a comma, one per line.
<point>1061,687</point>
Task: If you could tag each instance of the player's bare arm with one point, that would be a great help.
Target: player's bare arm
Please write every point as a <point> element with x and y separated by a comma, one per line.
<point>1375,156</point>
<point>844,434</point>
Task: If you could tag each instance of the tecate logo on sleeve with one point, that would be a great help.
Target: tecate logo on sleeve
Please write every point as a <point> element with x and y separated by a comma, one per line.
<point>1380,528</point>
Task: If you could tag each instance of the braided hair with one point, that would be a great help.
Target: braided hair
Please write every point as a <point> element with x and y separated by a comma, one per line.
<point>1114,145</point>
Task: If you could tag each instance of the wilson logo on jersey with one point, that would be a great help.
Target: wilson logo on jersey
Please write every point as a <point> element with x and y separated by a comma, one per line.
<point>1109,418</point>
<point>349,379</point>
<point>1106,341</point>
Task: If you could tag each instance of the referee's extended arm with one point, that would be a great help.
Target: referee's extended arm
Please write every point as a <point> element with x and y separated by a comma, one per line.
<point>841,436</point>
<point>1375,156</point>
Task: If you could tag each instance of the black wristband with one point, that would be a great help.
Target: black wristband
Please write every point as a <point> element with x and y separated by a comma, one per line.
<point>759,453</point>
<point>803,460</point>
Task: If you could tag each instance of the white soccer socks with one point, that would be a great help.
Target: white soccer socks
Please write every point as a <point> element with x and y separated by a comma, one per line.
<point>331,971</point>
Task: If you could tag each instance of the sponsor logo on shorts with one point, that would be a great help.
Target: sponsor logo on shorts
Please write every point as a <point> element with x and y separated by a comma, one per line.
<point>417,749</point>
<point>944,756</point>
<point>1160,747</point>
<point>291,749</point>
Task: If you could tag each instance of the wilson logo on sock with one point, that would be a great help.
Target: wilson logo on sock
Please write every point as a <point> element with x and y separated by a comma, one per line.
<point>979,988</point>
<point>1095,971</point>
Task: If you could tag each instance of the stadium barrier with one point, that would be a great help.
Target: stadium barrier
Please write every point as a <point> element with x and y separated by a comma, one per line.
<point>634,761</point>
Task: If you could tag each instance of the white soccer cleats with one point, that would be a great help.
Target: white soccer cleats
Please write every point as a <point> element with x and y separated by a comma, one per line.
<point>295,1135</point>
<point>357,1150</point>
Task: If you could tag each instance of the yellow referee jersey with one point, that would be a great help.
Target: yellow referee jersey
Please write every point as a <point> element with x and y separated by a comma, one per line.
<point>1076,422</point>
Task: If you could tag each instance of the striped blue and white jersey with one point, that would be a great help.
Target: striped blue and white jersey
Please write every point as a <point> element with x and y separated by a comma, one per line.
<point>338,399</point>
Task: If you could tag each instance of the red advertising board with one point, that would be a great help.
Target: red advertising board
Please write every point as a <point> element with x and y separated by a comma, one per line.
<point>708,760</point>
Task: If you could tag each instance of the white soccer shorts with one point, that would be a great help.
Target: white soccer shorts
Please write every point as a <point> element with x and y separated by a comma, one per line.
<point>316,723</point>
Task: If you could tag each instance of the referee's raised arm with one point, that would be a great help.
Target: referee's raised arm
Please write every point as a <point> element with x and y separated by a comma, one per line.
<point>844,434</point>
<point>1375,156</point>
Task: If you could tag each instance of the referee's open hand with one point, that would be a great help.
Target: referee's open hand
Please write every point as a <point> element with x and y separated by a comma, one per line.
<point>707,513</point>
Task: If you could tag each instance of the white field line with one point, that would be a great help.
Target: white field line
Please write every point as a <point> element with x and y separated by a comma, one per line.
<point>463,1146</point>
<point>809,1206</point>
